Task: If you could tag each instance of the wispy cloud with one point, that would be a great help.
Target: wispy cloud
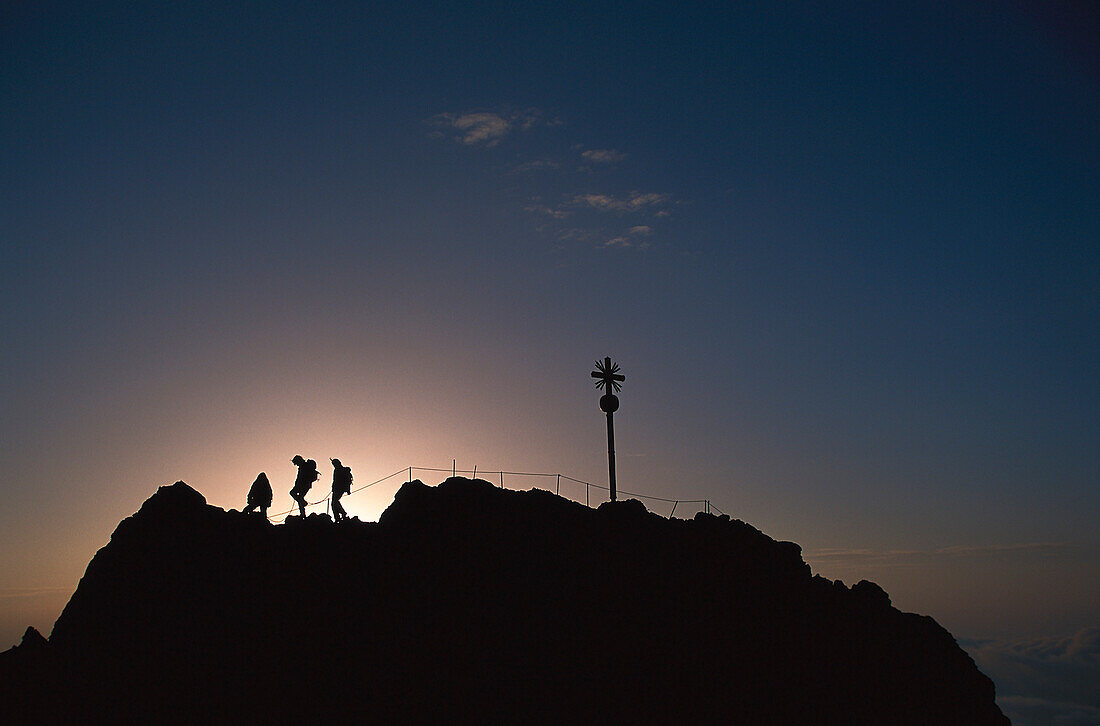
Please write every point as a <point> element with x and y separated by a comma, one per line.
<point>11,593</point>
<point>625,242</point>
<point>634,237</point>
<point>592,218</point>
<point>603,156</point>
<point>632,202</point>
<point>578,234</point>
<point>475,128</point>
<point>594,232</point>
<point>859,556</point>
<point>547,211</point>
<point>484,128</point>
<point>536,165</point>
<point>963,550</point>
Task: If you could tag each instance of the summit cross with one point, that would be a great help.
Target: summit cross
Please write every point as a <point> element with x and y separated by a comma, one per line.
<point>608,377</point>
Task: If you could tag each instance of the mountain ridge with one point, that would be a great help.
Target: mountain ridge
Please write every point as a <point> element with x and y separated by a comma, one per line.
<point>465,601</point>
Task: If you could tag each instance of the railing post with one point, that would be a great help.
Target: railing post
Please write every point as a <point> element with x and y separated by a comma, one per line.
<point>557,488</point>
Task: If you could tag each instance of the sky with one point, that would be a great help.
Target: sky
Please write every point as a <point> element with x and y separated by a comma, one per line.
<point>845,253</point>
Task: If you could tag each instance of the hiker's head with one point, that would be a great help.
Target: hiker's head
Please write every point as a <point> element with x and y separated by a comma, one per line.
<point>312,463</point>
<point>297,460</point>
<point>335,462</point>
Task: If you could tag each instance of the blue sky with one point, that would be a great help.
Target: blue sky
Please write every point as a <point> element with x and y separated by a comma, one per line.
<point>845,254</point>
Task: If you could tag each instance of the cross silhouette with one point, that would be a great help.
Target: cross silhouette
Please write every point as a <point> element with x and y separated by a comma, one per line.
<point>608,375</point>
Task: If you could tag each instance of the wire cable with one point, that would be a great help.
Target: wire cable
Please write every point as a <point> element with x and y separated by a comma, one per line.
<point>675,502</point>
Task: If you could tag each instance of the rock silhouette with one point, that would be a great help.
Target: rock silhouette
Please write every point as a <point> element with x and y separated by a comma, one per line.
<point>470,603</point>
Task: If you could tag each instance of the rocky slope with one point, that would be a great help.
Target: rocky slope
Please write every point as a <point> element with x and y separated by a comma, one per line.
<point>467,602</point>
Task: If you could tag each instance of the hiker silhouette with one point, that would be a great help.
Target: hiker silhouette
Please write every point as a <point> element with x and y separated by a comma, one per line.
<point>259,495</point>
<point>341,485</point>
<point>307,474</point>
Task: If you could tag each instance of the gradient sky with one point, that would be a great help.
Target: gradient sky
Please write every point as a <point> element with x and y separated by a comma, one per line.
<point>846,255</point>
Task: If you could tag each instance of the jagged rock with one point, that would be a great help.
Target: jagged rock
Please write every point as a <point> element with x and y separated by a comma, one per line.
<point>32,640</point>
<point>871,594</point>
<point>32,643</point>
<point>467,602</point>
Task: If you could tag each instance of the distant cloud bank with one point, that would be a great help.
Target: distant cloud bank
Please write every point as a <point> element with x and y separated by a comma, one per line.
<point>1045,681</point>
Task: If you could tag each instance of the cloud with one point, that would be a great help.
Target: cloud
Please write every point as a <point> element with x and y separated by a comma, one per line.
<point>603,156</point>
<point>476,128</point>
<point>622,241</point>
<point>1023,711</point>
<point>568,215</point>
<point>547,211</point>
<point>633,202</point>
<point>1044,681</point>
<point>9,593</point>
<point>599,235</point>
<point>578,234</point>
<point>1020,547</point>
<point>536,165</point>
<point>533,117</point>
<point>486,128</point>
<point>904,557</point>
<point>630,238</point>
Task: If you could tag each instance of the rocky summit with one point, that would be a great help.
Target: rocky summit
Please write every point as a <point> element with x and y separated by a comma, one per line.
<point>466,603</point>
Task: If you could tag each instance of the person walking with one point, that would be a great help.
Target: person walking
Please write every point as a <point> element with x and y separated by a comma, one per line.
<point>341,485</point>
<point>307,474</point>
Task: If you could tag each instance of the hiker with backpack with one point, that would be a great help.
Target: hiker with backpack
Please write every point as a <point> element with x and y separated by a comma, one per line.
<point>307,474</point>
<point>259,495</point>
<point>341,485</point>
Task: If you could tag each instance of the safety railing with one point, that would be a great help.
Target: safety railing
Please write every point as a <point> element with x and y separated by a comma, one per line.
<point>704,505</point>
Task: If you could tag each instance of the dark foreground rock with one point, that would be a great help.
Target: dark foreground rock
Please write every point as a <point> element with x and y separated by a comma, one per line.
<point>469,603</point>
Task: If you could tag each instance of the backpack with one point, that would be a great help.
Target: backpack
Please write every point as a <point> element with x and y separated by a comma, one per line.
<point>307,474</point>
<point>341,480</point>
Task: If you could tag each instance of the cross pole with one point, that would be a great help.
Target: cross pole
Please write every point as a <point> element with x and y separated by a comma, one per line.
<point>608,377</point>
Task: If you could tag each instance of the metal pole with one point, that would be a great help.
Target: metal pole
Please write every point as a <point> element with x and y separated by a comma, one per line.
<point>557,488</point>
<point>410,473</point>
<point>611,454</point>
